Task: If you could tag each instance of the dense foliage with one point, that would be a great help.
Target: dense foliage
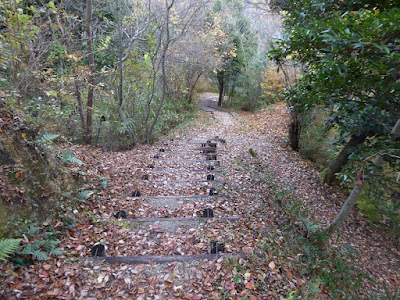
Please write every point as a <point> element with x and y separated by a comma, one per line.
<point>350,59</point>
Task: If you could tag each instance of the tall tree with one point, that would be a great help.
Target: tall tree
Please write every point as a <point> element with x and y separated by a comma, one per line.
<point>165,45</point>
<point>91,77</point>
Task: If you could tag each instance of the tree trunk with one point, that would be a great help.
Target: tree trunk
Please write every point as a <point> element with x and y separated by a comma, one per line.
<point>121,82</point>
<point>346,209</point>
<point>163,71</point>
<point>78,93</point>
<point>191,90</point>
<point>220,78</point>
<point>91,79</point>
<point>396,130</point>
<point>358,188</point>
<point>342,158</point>
<point>294,132</point>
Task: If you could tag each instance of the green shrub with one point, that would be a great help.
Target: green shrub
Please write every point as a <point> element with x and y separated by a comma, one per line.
<point>316,143</point>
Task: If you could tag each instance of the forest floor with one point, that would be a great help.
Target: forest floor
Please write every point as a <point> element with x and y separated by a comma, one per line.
<point>276,194</point>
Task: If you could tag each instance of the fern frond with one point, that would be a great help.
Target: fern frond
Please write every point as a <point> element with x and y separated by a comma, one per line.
<point>47,138</point>
<point>69,159</point>
<point>56,251</point>
<point>27,249</point>
<point>32,230</point>
<point>40,255</point>
<point>8,247</point>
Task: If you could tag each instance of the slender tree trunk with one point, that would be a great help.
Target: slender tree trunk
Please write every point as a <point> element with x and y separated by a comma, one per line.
<point>358,188</point>
<point>191,90</point>
<point>396,130</point>
<point>78,97</point>
<point>346,209</point>
<point>91,79</point>
<point>163,71</point>
<point>342,158</point>
<point>120,69</point>
<point>220,78</point>
<point>78,94</point>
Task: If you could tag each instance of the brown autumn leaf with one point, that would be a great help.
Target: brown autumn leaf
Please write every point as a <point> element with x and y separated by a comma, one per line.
<point>290,275</point>
<point>250,285</point>
<point>52,293</point>
<point>44,274</point>
<point>230,286</point>
<point>300,282</point>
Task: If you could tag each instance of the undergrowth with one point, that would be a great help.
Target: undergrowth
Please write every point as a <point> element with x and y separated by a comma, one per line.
<point>299,244</point>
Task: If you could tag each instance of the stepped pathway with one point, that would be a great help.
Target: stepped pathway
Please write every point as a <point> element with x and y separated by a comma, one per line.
<point>167,239</point>
<point>184,225</point>
<point>162,249</point>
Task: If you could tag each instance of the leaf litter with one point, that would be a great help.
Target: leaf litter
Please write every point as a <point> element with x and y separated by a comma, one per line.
<point>264,274</point>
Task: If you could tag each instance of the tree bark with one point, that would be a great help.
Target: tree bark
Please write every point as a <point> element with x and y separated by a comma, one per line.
<point>191,90</point>
<point>346,209</point>
<point>220,78</point>
<point>358,188</point>
<point>396,130</point>
<point>342,158</point>
<point>294,133</point>
<point>78,93</point>
<point>121,78</point>
<point>91,79</point>
<point>163,71</point>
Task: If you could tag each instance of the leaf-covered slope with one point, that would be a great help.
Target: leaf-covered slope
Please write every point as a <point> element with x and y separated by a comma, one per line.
<point>31,179</point>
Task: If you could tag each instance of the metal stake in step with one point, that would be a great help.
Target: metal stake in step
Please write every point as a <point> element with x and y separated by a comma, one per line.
<point>136,194</point>
<point>98,250</point>
<point>217,247</point>
<point>121,215</point>
<point>210,177</point>
<point>213,192</point>
<point>208,213</point>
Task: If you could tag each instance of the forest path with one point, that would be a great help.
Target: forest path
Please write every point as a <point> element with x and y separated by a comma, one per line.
<point>176,188</point>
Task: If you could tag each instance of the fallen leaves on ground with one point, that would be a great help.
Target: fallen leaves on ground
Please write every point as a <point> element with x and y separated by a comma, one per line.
<point>262,275</point>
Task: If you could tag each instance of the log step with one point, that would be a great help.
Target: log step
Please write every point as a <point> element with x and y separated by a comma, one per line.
<point>185,197</point>
<point>188,153</point>
<point>162,259</point>
<point>170,170</point>
<point>188,219</point>
<point>188,160</point>
<point>186,181</point>
<point>204,140</point>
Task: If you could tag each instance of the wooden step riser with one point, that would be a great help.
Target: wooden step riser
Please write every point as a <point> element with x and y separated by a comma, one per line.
<point>193,197</point>
<point>170,170</point>
<point>193,161</point>
<point>188,219</point>
<point>159,259</point>
<point>186,181</point>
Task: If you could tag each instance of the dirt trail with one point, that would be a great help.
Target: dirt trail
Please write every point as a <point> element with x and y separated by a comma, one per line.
<point>246,198</point>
